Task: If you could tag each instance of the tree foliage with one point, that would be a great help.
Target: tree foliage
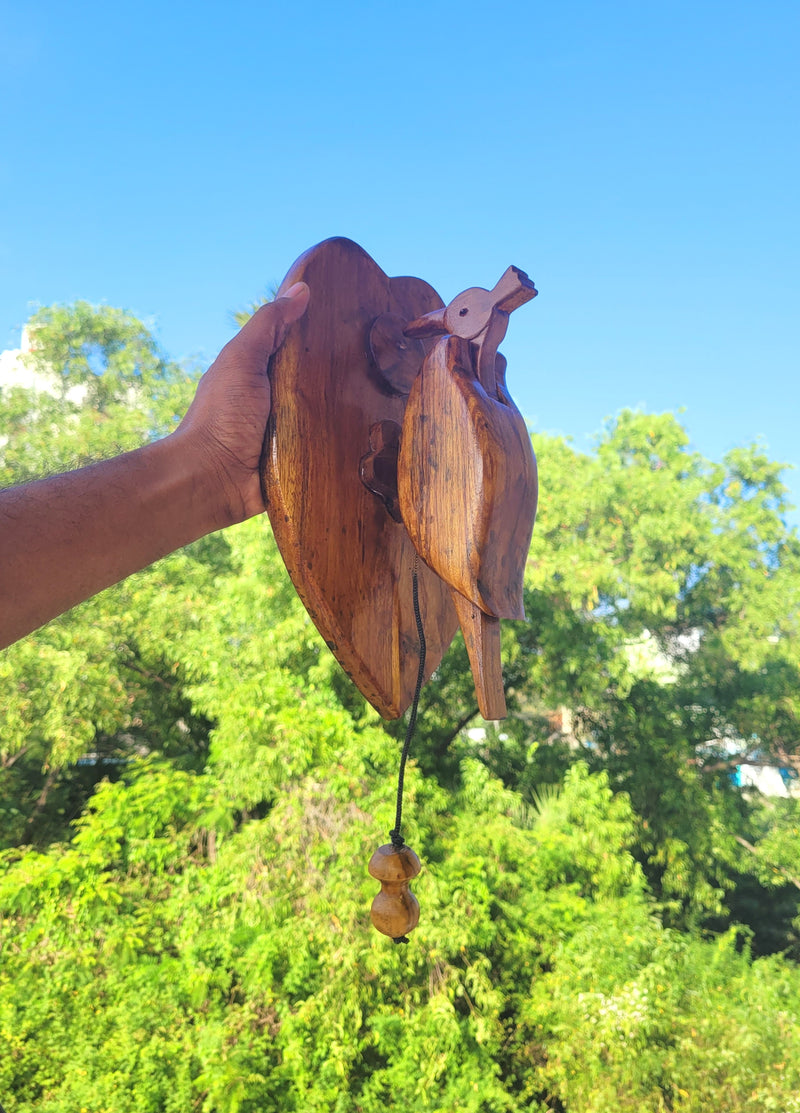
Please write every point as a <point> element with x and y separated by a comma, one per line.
<point>190,791</point>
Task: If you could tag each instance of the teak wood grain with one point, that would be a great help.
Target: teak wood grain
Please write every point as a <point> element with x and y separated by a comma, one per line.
<point>350,560</point>
<point>467,481</point>
<point>395,909</point>
<point>392,434</point>
<point>467,477</point>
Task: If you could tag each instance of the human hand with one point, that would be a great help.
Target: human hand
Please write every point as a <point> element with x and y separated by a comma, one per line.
<point>65,538</point>
<point>225,425</point>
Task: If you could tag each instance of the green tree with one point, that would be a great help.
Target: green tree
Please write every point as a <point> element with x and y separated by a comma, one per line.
<point>664,605</point>
<point>81,688</point>
<point>191,790</point>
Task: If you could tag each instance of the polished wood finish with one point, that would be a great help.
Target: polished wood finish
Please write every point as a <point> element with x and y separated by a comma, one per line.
<point>350,560</point>
<point>378,467</point>
<point>482,638</point>
<point>397,357</point>
<point>392,433</point>
<point>467,479</point>
<point>395,909</point>
<point>467,482</point>
<point>392,436</point>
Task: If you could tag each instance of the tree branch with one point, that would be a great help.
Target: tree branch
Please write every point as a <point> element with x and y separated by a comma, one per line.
<point>8,760</point>
<point>148,675</point>
<point>462,722</point>
<point>733,763</point>
<point>759,854</point>
<point>39,806</point>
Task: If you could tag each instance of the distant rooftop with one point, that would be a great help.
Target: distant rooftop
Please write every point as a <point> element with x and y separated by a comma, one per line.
<point>13,371</point>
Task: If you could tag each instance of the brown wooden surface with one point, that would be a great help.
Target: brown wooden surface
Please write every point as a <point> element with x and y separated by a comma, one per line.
<point>395,909</point>
<point>482,639</point>
<point>467,481</point>
<point>397,357</point>
<point>350,562</point>
<point>467,477</point>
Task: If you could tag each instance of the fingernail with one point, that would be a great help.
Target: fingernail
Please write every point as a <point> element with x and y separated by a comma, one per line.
<point>295,290</point>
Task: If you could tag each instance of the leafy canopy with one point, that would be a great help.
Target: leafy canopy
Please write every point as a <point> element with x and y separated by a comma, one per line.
<point>190,790</point>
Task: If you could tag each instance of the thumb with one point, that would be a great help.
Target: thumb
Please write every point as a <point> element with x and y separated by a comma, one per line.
<point>263,334</point>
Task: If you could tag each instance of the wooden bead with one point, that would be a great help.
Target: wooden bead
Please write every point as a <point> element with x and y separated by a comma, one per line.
<point>395,910</point>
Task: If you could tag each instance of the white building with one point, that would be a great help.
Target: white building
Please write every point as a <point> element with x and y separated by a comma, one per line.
<point>15,372</point>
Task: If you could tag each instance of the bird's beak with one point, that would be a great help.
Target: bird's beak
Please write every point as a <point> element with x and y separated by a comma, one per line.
<point>431,324</point>
<point>513,290</point>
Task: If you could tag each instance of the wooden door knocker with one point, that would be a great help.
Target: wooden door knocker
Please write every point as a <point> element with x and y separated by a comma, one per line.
<point>393,445</point>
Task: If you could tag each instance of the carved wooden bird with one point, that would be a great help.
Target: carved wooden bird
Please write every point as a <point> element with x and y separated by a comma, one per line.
<point>467,473</point>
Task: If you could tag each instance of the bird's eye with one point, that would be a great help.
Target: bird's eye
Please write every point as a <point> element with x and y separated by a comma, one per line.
<point>463,312</point>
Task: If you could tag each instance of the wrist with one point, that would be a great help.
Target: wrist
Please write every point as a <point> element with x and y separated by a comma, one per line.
<point>205,493</point>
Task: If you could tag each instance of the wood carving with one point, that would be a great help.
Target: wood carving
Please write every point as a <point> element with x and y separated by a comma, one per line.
<point>392,436</point>
<point>467,474</point>
<point>392,432</point>
<point>395,910</point>
<point>350,560</point>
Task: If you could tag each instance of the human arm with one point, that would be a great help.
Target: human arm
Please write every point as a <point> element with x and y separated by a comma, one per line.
<point>64,538</point>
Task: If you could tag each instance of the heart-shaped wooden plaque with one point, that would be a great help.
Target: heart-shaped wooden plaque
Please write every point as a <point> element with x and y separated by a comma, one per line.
<point>336,403</point>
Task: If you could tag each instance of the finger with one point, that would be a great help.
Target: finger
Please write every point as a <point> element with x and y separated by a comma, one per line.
<point>264,332</point>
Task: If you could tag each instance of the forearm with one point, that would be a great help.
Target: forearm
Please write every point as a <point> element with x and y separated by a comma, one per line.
<point>65,538</point>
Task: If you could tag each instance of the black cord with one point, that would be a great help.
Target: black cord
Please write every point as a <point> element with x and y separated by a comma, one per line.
<point>397,839</point>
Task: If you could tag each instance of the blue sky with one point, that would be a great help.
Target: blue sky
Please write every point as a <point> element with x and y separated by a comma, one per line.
<point>641,161</point>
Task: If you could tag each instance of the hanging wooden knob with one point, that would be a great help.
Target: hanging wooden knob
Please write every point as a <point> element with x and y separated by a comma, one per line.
<point>395,910</point>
